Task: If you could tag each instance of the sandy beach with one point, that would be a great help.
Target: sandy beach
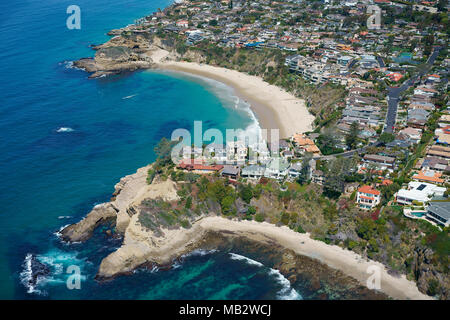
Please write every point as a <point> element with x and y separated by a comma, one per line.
<point>274,107</point>
<point>346,261</point>
<point>142,245</point>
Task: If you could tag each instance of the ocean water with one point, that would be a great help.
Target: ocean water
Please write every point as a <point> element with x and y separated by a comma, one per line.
<point>66,140</point>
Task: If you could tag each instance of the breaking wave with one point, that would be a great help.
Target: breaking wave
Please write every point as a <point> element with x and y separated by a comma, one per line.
<point>249,261</point>
<point>64,129</point>
<point>286,292</point>
<point>26,276</point>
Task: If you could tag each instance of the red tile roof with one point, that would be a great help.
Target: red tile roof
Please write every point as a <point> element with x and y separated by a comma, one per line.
<point>369,190</point>
<point>191,165</point>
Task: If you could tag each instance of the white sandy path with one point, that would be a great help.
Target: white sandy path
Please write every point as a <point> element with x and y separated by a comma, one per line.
<point>289,113</point>
<point>347,261</point>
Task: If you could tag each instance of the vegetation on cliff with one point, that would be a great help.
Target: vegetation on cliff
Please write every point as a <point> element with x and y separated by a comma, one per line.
<point>411,247</point>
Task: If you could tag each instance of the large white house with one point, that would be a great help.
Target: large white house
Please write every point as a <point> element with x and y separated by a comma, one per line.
<point>418,191</point>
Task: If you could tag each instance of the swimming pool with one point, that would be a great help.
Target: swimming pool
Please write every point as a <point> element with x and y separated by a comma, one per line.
<point>419,214</point>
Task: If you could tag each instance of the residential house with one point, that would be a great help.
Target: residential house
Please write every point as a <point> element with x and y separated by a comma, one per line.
<point>429,176</point>
<point>436,164</point>
<point>368,197</point>
<point>253,171</point>
<point>382,162</point>
<point>236,152</point>
<point>231,172</point>
<point>439,151</point>
<point>412,133</point>
<point>277,168</point>
<point>318,177</point>
<point>418,191</point>
<point>191,165</point>
<point>295,170</point>
<point>439,212</point>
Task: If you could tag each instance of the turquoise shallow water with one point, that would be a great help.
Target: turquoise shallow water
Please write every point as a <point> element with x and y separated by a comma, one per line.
<point>67,140</point>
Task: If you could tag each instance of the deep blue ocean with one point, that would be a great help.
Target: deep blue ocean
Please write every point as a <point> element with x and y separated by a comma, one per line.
<point>66,140</point>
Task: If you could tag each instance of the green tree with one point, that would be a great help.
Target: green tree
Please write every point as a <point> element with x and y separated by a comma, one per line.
<point>188,204</point>
<point>246,192</point>
<point>304,172</point>
<point>386,137</point>
<point>163,152</point>
<point>351,139</point>
<point>227,204</point>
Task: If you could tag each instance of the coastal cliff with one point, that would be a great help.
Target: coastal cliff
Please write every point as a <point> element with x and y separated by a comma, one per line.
<point>160,225</point>
<point>126,51</point>
<point>128,194</point>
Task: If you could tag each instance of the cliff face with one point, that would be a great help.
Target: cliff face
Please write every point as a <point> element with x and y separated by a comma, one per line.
<point>129,193</point>
<point>142,246</point>
<point>130,51</point>
<point>429,280</point>
<point>121,53</point>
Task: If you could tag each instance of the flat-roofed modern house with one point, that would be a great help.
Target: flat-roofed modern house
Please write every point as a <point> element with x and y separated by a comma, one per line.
<point>295,170</point>
<point>439,212</point>
<point>231,172</point>
<point>418,191</point>
<point>368,197</point>
<point>277,168</point>
<point>380,161</point>
<point>253,171</point>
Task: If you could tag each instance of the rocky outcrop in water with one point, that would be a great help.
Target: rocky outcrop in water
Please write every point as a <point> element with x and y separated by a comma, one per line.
<point>35,270</point>
<point>83,230</point>
<point>122,53</point>
<point>129,192</point>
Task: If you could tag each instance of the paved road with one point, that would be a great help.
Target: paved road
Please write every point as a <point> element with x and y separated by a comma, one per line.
<point>348,154</point>
<point>394,93</point>
<point>381,62</point>
<point>393,97</point>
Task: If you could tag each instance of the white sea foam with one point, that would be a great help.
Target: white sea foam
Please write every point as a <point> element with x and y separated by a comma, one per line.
<point>229,99</point>
<point>58,233</point>
<point>198,252</point>
<point>154,269</point>
<point>249,261</point>
<point>70,65</point>
<point>64,129</point>
<point>129,97</point>
<point>286,292</point>
<point>27,274</point>
<point>228,96</point>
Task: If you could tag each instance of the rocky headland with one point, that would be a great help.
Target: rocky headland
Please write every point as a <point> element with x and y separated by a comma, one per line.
<point>155,235</point>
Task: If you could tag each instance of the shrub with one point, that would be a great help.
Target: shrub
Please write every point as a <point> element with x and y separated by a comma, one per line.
<point>259,217</point>
<point>150,176</point>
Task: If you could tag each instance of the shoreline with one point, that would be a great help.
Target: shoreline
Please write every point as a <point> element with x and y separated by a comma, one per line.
<point>335,257</point>
<point>143,246</point>
<point>273,107</point>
